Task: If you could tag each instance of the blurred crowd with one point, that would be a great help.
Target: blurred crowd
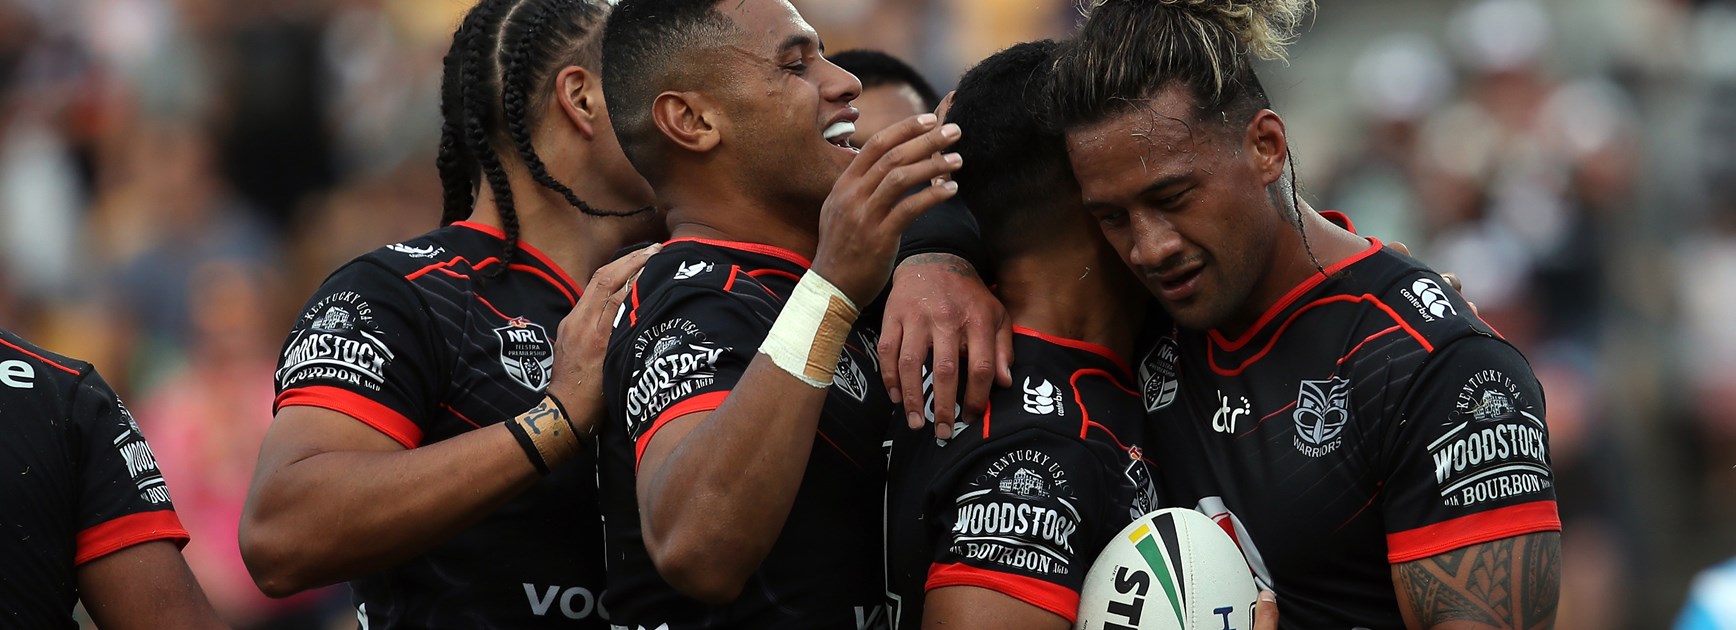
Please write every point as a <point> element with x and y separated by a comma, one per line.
<point>177,175</point>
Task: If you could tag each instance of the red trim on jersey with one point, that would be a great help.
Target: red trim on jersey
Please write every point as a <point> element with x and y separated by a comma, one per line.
<point>1211,358</point>
<point>571,294</point>
<point>1257,423</point>
<point>125,531</point>
<point>491,307</point>
<point>460,415</point>
<point>1085,422</point>
<point>988,410</point>
<point>368,411</point>
<point>1076,344</point>
<point>840,449</point>
<point>443,265</point>
<point>1464,531</point>
<point>1054,598</point>
<point>730,283</point>
<point>773,272</point>
<point>757,248</point>
<point>1374,245</point>
<point>697,404</point>
<point>1343,220</point>
<point>40,358</point>
<point>571,288</point>
<point>1364,342</point>
<point>633,314</point>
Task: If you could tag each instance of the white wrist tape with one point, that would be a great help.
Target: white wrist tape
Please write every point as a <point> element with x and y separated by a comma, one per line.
<point>810,331</point>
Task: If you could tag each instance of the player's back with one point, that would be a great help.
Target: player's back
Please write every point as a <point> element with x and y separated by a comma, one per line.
<point>1021,502</point>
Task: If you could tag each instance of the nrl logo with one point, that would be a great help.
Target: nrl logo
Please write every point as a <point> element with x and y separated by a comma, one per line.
<point>526,352</point>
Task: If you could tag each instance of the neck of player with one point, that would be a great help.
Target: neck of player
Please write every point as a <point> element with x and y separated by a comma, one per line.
<point>1074,292</point>
<point>1293,262</point>
<point>725,212</point>
<point>577,242</point>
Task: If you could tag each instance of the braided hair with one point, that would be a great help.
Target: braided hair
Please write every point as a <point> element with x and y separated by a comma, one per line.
<point>495,79</point>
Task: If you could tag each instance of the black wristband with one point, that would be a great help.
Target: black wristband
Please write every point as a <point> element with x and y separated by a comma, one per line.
<point>524,442</point>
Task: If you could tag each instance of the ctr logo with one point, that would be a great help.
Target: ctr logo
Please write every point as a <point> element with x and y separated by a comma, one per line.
<point>1224,421</point>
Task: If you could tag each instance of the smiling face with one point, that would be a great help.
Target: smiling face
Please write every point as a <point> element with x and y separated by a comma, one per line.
<point>1184,203</point>
<point>789,112</point>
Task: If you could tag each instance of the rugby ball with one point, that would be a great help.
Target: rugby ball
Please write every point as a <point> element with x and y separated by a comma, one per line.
<point>1173,569</point>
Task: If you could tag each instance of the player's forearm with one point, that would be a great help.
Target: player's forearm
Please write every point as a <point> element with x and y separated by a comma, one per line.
<point>338,515</point>
<point>717,502</point>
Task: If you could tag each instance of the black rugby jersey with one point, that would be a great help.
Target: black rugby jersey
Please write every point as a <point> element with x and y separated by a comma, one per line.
<point>694,320</point>
<point>1023,503</point>
<point>415,341</point>
<point>77,482</point>
<point>1367,419</point>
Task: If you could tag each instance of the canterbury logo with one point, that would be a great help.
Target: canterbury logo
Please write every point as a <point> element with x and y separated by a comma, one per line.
<point>1433,299</point>
<point>1042,399</point>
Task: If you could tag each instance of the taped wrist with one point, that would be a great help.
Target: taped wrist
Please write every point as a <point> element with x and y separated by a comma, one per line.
<point>810,331</point>
<point>546,434</point>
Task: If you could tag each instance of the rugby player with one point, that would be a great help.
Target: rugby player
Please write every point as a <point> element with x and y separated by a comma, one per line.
<point>420,449</point>
<point>1379,453</point>
<point>996,527</point>
<point>88,515</point>
<point>740,464</point>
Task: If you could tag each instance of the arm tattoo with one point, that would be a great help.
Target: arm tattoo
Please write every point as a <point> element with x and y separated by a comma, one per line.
<point>951,263</point>
<point>1512,583</point>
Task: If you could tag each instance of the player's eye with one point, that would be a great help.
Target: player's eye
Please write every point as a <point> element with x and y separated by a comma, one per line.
<point>796,68</point>
<point>1111,219</point>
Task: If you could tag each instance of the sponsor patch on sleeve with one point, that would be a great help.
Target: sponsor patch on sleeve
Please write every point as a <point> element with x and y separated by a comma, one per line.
<point>140,462</point>
<point>1020,514</point>
<point>336,339</point>
<point>675,359</point>
<point>1494,447</point>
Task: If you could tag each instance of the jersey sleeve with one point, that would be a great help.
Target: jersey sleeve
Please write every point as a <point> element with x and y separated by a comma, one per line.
<point>1024,515</point>
<point>682,355</point>
<point>947,228</point>
<point>123,500</point>
<point>1470,456</point>
<point>363,347</point>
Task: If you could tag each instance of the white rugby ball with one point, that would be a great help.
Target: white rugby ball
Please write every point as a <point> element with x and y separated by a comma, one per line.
<point>1173,569</point>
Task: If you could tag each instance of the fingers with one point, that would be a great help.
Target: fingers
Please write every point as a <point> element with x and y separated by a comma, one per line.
<point>945,381</point>
<point>1266,611</point>
<point>911,207</point>
<point>980,353</point>
<point>1401,247</point>
<point>891,333</point>
<point>606,315</point>
<point>945,105</point>
<point>890,138</point>
<point>912,354</point>
<point>611,277</point>
<point>1453,280</point>
<point>1004,352</point>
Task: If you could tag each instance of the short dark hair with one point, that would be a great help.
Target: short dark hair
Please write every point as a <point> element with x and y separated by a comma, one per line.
<point>875,69</point>
<point>644,43</point>
<point>1129,50</point>
<point>1015,170</point>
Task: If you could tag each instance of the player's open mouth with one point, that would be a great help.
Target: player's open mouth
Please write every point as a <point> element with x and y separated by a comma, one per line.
<point>1175,287</point>
<point>838,134</point>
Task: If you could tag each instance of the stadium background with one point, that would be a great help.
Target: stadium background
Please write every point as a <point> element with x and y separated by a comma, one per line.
<point>177,175</point>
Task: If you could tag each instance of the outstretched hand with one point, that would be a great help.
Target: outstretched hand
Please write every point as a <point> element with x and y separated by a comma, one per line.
<point>939,303</point>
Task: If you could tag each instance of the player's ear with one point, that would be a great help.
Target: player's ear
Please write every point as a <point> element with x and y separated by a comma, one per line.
<point>687,119</point>
<point>1266,144</point>
<point>578,98</point>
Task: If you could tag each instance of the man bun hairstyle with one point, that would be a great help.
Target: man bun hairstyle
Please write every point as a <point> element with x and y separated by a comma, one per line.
<point>1129,50</point>
<point>643,46</point>
<point>495,81</point>
<point>1015,173</point>
<point>875,69</point>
